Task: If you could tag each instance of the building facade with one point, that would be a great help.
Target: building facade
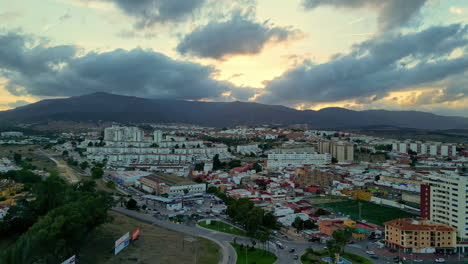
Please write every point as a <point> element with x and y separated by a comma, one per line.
<point>420,236</point>
<point>430,148</point>
<point>296,160</point>
<point>342,151</point>
<point>448,192</point>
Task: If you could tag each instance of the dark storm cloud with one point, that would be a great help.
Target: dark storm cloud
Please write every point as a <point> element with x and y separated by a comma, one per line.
<point>389,62</point>
<point>238,36</point>
<point>42,71</point>
<point>150,12</point>
<point>391,13</point>
<point>15,55</point>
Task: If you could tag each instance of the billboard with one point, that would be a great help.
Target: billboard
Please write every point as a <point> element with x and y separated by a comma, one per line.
<point>70,260</point>
<point>122,243</point>
<point>135,234</point>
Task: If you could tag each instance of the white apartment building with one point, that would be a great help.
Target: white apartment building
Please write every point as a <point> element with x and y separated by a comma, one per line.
<point>11,134</point>
<point>431,148</point>
<point>118,133</point>
<point>295,160</point>
<point>247,149</point>
<point>449,202</point>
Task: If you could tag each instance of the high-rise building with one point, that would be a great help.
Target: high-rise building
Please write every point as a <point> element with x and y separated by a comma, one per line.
<point>431,148</point>
<point>448,203</point>
<point>118,133</point>
<point>342,151</point>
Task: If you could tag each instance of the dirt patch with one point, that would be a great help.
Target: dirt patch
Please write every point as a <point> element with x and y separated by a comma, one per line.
<point>27,152</point>
<point>155,245</point>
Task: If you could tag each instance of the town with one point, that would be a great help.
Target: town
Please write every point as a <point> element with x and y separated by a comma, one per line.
<point>305,193</point>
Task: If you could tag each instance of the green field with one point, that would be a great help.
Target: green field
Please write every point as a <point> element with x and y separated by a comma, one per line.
<point>371,212</point>
<point>257,256</point>
<point>223,227</point>
<point>315,257</point>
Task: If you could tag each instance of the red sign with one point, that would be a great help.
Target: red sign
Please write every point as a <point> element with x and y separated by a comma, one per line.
<point>135,234</point>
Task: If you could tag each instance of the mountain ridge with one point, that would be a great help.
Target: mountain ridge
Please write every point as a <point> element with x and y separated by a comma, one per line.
<point>131,109</point>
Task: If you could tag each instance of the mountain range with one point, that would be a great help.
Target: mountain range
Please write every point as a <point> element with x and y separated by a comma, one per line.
<point>129,109</point>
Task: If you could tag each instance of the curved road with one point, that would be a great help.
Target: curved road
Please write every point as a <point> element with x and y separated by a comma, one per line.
<point>229,255</point>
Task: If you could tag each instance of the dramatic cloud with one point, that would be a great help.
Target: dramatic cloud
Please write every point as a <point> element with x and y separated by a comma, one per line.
<point>391,13</point>
<point>150,12</point>
<point>238,36</point>
<point>389,62</point>
<point>49,71</point>
<point>16,55</point>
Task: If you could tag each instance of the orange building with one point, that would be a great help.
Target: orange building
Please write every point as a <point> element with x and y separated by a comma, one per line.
<point>420,236</point>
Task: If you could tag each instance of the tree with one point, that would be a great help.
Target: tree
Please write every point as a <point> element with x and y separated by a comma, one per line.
<point>321,212</point>
<point>110,184</point>
<point>84,165</point>
<point>131,204</point>
<point>257,167</point>
<point>334,160</point>
<point>186,191</point>
<point>234,164</point>
<point>298,223</point>
<point>216,162</point>
<point>212,189</point>
<point>199,166</point>
<point>96,173</point>
<point>65,153</point>
<point>341,237</point>
<point>412,152</point>
<point>90,144</point>
<point>413,161</point>
<point>309,224</point>
<point>377,178</point>
<point>198,180</point>
<point>17,158</point>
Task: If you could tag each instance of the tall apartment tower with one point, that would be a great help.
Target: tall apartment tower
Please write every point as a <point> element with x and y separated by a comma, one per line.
<point>448,203</point>
<point>342,151</point>
<point>157,136</point>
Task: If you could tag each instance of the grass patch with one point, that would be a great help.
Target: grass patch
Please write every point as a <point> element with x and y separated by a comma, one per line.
<point>257,256</point>
<point>315,257</point>
<point>155,243</point>
<point>223,227</point>
<point>374,213</point>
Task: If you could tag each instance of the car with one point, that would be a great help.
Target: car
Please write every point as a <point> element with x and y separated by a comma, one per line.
<point>440,260</point>
<point>351,242</point>
<point>292,250</point>
<point>374,257</point>
<point>370,252</point>
<point>296,257</point>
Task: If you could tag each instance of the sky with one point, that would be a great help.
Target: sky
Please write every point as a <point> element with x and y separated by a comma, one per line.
<point>304,54</point>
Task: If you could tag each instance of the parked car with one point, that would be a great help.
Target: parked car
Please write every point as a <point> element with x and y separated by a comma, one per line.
<point>440,260</point>
<point>370,252</point>
<point>374,257</point>
<point>292,250</point>
<point>296,257</point>
<point>279,245</point>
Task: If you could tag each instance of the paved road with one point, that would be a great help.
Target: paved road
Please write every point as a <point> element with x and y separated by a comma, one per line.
<point>229,255</point>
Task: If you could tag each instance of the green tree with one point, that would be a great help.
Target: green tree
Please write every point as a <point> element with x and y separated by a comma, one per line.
<point>131,204</point>
<point>186,191</point>
<point>321,212</point>
<point>234,164</point>
<point>298,223</point>
<point>96,173</point>
<point>216,162</point>
<point>84,165</point>
<point>199,166</point>
<point>17,158</point>
<point>334,160</point>
<point>257,167</point>
<point>65,153</point>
